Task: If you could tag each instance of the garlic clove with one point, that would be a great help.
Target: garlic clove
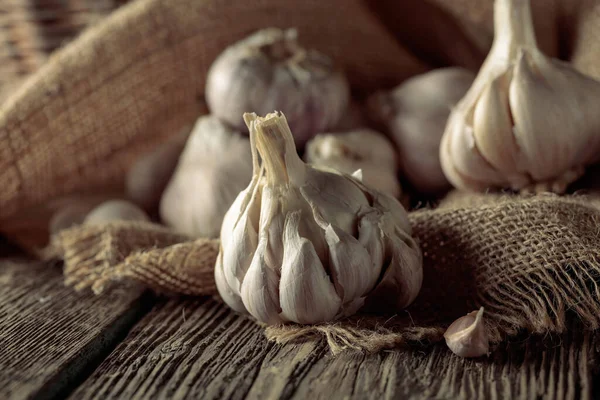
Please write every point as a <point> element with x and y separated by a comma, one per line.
<point>467,336</point>
<point>370,237</point>
<point>349,261</point>
<point>492,126</point>
<point>337,197</point>
<point>555,100</point>
<point>259,289</point>
<point>237,256</point>
<point>306,292</point>
<point>403,277</point>
<point>233,300</point>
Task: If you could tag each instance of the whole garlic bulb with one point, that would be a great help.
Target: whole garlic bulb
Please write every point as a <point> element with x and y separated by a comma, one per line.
<point>115,210</point>
<point>415,115</point>
<point>362,149</point>
<point>529,122</point>
<point>306,245</point>
<point>269,70</point>
<point>215,165</point>
<point>149,176</point>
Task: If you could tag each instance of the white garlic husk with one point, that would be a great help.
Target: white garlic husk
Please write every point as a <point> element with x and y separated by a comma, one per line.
<point>214,167</point>
<point>269,70</point>
<point>305,245</point>
<point>467,336</point>
<point>361,149</point>
<point>529,122</point>
<point>415,115</point>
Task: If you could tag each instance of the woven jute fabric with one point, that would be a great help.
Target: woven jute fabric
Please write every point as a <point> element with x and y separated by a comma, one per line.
<point>531,262</point>
<point>31,30</point>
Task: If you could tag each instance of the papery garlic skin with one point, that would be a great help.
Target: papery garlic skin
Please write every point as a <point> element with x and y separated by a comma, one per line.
<point>467,336</point>
<point>363,149</point>
<point>529,122</point>
<point>215,165</point>
<point>269,70</point>
<point>307,245</point>
<point>415,115</point>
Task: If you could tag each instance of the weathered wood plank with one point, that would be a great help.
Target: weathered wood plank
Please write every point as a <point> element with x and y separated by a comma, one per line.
<point>51,337</point>
<point>194,349</point>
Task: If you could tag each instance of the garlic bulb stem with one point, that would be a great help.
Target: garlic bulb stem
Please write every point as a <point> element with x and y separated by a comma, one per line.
<point>513,29</point>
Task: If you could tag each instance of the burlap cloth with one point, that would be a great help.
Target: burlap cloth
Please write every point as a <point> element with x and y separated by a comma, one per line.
<point>530,261</point>
<point>131,81</point>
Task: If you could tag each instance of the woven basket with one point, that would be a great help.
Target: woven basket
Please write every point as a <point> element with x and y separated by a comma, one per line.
<point>30,30</point>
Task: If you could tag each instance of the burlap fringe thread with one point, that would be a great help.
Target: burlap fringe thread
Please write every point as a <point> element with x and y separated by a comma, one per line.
<point>530,261</point>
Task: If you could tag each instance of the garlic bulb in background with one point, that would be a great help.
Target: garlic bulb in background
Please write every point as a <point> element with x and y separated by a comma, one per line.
<point>216,164</point>
<point>269,70</point>
<point>305,245</point>
<point>529,122</point>
<point>114,210</point>
<point>149,175</point>
<point>467,336</point>
<point>362,149</point>
<point>415,115</point>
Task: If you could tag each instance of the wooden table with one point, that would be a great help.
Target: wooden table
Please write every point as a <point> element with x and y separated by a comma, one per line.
<point>55,343</point>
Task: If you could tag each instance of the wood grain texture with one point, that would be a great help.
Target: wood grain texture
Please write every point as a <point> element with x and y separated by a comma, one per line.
<point>194,349</point>
<point>51,336</point>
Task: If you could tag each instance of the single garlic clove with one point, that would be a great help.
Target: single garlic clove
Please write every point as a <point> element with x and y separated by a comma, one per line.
<point>370,237</point>
<point>233,300</point>
<point>349,262</point>
<point>260,288</point>
<point>467,336</point>
<point>405,278</point>
<point>338,198</point>
<point>492,126</point>
<point>306,292</point>
<point>238,254</point>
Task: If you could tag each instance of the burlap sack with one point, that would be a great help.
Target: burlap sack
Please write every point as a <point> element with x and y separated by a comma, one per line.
<point>138,77</point>
<point>530,261</point>
<point>130,82</point>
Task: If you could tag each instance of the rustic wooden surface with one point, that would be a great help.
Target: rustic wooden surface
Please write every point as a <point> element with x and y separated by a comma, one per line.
<point>52,337</point>
<point>56,343</point>
<point>200,350</point>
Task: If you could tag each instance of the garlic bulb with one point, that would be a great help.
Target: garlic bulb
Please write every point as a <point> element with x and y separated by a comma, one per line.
<point>467,336</point>
<point>362,149</point>
<point>307,245</point>
<point>149,175</point>
<point>68,216</point>
<point>415,115</point>
<point>269,70</point>
<point>528,122</point>
<point>115,210</point>
<point>215,165</point>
